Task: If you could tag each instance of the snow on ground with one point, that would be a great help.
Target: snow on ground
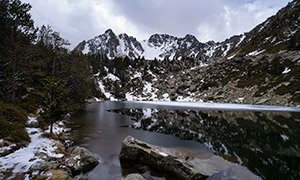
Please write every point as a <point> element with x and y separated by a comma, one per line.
<point>137,75</point>
<point>220,106</point>
<point>255,53</point>
<point>86,49</point>
<point>21,160</point>
<point>284,137</point>
<point>166,97</point>
<point>187,99</point>
<point>241,40</point>
<point>147,87</point>
<point>286,70</point>
<point>107,94</point>
<point>112,77</point>
<point>130,97</point>
<point>227,49</point>
<point>147,113</point>
<point>150,53</point>
<point>31,120</point>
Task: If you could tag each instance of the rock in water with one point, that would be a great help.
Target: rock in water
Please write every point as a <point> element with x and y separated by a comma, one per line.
<point>134,150</point>
<point>81,160</point>
<point>179,164</point>
<point>134,177</point>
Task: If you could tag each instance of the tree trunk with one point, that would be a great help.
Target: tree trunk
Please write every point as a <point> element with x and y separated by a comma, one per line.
<point>53,65</point>
<point>14,65</point>
<point>13,97</point>
<point>51,128</point>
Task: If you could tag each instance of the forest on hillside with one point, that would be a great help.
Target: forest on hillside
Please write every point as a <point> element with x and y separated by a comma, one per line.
<point>36,64</point>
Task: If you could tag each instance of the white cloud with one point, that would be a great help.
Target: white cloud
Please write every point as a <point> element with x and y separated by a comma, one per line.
<point>205,33</point>
<point>79,20</point>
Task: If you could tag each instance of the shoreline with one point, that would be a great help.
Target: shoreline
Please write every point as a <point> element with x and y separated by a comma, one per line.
<point>46,155</point>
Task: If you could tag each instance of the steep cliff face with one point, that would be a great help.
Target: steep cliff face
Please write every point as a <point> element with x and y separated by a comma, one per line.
<point>111,45</point>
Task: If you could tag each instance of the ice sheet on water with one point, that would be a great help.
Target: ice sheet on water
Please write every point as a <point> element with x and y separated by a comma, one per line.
<point>221,106</point>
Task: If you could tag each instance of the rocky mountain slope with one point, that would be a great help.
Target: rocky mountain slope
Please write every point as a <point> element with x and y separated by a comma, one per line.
<point>258,67</point>
<point>159,46</point>
<point>272,79</point>
<point>279,32</point>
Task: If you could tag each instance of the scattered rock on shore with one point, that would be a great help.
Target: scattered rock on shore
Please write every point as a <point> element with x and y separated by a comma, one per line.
<point>81,160</point>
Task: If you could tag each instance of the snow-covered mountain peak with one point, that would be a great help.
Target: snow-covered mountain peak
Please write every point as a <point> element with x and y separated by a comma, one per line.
<point>279,32</point>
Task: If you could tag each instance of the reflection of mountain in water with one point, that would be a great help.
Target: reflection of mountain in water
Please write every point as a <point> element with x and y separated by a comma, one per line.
<point>266,142</point>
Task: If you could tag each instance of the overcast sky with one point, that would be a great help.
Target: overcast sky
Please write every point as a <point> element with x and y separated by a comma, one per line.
<point>216,20</point>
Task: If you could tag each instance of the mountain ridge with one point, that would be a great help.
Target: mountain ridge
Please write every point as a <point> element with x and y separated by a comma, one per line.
<point>280,31</point>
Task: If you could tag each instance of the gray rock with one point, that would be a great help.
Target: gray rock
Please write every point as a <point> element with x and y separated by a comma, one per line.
<point>81,160</point>
<point>134,177</point>
<point>80,177</point>
<point>193,88</point>
<point>57,174</point>
<point>262,101</point>
<point>44,166</point>
<point>134,150</point>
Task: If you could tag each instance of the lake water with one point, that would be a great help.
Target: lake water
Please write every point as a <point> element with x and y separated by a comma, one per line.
<point>263,139</point>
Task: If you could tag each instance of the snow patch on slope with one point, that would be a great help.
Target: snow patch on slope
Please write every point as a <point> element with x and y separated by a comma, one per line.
<point>150,52</point>
<point>21,160</point>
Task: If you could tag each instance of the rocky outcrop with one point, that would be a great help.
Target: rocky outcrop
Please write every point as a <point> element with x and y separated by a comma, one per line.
<point>81,160</point>
<point>170,161</point>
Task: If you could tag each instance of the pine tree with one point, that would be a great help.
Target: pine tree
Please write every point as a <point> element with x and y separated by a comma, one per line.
<point>53,45</point>
<point>16,35</point>
<point>55,101</point>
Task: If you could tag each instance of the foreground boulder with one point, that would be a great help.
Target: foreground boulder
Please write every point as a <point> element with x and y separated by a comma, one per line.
<point>137,151</point>
<point>175,162</point>
<point>81,160</point>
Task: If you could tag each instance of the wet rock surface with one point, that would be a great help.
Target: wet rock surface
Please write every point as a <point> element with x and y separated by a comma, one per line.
<point>138,151</point>
<point>173,161</point>
<point>134,177</point>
